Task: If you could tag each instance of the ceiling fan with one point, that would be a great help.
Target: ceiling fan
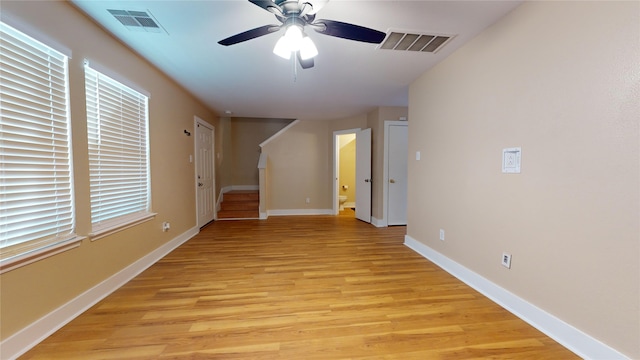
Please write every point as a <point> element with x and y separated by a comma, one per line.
<point>294,15</point>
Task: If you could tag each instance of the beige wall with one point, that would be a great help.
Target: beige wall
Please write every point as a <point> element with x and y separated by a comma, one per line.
<point>32,291</point>
<point>246,136</point>
<point>561,80</point>
<point>224,162</point>
<point>298,168</point>
<point>308,172</point>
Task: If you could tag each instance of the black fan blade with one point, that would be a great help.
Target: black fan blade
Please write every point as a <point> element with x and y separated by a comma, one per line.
<point>268,5</point>
<point>348,31</point>
<point>305,64</point>
<point>249,34</point>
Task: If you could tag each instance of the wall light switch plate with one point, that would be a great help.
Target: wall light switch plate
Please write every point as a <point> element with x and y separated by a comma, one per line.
<point>511,158</point>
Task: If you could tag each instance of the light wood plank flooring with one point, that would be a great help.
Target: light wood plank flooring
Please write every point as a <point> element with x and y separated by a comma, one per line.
<point>309,287</point>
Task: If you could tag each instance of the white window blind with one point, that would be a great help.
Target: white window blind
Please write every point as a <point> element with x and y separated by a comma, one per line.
<point>36,190</point>
<point>118,152</point>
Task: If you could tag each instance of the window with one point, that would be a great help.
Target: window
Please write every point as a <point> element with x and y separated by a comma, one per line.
<point>118,154</point>
<point>36,190</point>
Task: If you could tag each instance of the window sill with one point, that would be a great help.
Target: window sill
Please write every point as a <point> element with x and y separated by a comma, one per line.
<point>38,254</point>
<point>109,229</point>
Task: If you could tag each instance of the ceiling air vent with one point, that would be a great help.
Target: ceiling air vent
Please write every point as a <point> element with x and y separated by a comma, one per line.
<point>137,20</point>
<point>414,42</point>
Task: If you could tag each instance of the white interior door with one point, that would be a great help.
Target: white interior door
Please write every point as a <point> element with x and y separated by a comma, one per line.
<point>205,173</point>
<point>363,175</point>
<point>397,167</point>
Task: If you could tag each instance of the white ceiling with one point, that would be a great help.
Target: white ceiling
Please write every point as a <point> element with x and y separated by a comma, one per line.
<point>349,78</point>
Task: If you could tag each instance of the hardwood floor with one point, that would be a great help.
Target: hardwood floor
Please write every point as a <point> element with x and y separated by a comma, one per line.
<point>308,287</point>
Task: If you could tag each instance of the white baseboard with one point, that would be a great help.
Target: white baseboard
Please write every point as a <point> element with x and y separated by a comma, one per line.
<point>245,187</point>
<point>263,215</point>
<point>573,339</point>
<point>22,341</point>
<point>378,222</point>
<point>350,204</point>
<point>293,212</point>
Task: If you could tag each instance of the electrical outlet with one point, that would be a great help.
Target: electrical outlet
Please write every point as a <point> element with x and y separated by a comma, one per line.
<point>307,200</point>
<point>442,234</point>
<point>166,226</point>
<point>506,260</point>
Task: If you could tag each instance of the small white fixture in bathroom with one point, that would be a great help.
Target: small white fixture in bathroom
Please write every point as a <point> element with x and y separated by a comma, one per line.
<point>341,201</point>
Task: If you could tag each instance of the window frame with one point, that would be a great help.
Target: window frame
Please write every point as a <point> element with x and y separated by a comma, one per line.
<point>98,84</point>
<point>31,87</point>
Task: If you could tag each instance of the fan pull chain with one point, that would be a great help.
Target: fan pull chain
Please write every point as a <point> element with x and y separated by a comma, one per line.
<point>295,68</point>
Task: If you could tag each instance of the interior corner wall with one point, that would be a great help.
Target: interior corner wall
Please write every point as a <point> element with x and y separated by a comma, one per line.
<point>561,80</point>
<point>35,290</point>
<point>246,136</point>
<point>224,163</point>
<point>298,168</point>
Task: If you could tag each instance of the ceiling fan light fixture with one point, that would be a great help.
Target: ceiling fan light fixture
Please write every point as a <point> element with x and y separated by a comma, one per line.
<point>295,40</point>
<point>282,48</point>
<point>308,49</point>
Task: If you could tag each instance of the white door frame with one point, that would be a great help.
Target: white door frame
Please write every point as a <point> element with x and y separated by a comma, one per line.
<point>336,165</point>
<point>197,121</point>
<point>364,168</point>
<point>385,165</point>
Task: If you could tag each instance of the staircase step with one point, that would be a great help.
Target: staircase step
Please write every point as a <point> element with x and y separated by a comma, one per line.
<point>240,195</point>
<point>238,214</point>
<point>240,204</point>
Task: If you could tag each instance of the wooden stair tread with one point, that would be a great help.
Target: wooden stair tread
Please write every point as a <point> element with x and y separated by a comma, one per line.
<point>240,204</point>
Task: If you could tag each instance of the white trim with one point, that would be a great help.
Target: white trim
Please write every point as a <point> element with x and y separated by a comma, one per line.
<point>336,166</point>
<point>39,253</point>
<point>112,227</point>
<point>105,70</point>
<point>244,187</point>
<point>385,167</point>
<point>282,131</point>
<point>35,33</point>
<point>220,199</point>
<point>263,215</point>
<point>196,123</point>
<point>378,222</point>
<point>568,336</point>
<point>296,212</point>
<point>25,339</point>
<point>262,161</point>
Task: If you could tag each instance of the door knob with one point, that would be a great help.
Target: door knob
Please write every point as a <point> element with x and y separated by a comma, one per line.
<point>392,181</point>
<point>200,184</point>
<point>366,180</point>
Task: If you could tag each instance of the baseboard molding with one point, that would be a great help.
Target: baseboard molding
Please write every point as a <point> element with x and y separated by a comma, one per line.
<point>294,212</point>
<point>263,215</point>
<point>573,339</point>
<point>378,222</point>
<point>22,341</point>
<point>245,187</point>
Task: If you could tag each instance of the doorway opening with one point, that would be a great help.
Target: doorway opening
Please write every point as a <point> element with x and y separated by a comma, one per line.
<point>344,169</point>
